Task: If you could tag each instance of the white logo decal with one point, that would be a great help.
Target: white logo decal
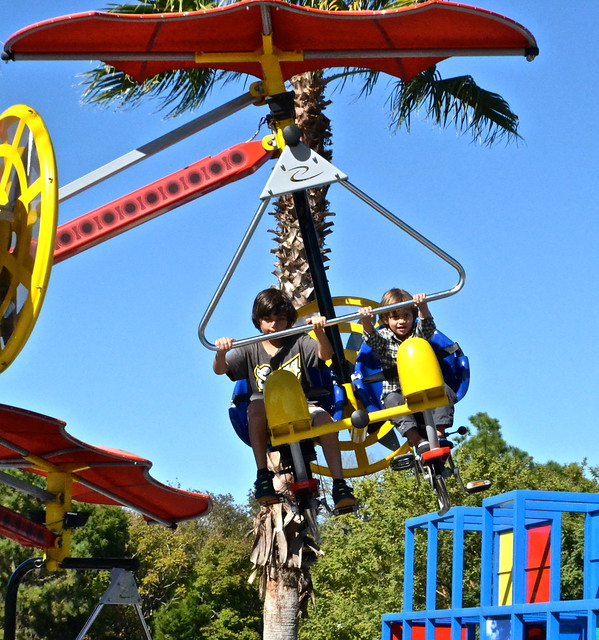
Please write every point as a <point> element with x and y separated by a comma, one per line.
<point>262,371</point>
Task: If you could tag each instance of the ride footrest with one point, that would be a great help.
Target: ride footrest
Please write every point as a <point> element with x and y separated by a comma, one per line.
<point>433,454</point>
<point>403,462</point>
<point>339,512</point>
<point>311,484</point>
<point>476,486</point>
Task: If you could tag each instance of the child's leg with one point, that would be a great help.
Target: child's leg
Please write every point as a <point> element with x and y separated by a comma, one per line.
<point>264,491</point>
<point>413,436</point>
<point>257,431</point>
<point>329,443</point>
<point>406,425</point>
<point>343,496</point>
<point>443,416</point>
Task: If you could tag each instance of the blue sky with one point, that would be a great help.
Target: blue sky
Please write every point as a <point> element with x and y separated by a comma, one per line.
<point>115,352</point>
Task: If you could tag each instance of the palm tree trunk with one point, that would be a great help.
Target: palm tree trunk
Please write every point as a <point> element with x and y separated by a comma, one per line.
<point>281,620</point>
<point>288,588</point>
<point>282,555</point>
<point>291,266</point>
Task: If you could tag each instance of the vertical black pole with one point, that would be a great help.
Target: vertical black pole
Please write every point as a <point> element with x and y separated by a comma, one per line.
<point>283,113</point>
<point>10,600</point>
<point>319,279</point>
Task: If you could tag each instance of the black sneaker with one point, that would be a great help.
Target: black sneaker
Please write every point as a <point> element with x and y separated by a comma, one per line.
<point>343,496</point>
<point>264,492</point>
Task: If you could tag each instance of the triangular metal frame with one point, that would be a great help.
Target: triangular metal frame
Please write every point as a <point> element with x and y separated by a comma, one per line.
<point>297,169</point>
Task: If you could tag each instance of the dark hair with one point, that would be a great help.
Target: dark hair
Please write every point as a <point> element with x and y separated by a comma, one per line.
<point>273,302</point>
<point>393,296</point>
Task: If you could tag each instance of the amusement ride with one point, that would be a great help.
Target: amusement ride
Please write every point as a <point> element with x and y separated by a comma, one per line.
<point>271,41</point>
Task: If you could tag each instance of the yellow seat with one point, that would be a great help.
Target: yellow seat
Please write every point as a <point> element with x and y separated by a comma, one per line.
<point>286,408</point>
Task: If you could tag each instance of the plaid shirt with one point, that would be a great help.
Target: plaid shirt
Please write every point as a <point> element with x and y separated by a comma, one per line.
<point>386,344</point>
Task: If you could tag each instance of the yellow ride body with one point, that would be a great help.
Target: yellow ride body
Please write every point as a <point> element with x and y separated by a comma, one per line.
<point>289,420</point>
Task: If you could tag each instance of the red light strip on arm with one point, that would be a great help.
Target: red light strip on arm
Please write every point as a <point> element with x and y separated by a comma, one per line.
<point>157,198</point>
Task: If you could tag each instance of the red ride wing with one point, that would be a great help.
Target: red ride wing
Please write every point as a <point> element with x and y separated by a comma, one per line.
<point>102,475</point>
<point>400,42</point>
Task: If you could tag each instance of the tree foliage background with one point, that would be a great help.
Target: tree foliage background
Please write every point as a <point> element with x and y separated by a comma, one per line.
<point>194,580</point>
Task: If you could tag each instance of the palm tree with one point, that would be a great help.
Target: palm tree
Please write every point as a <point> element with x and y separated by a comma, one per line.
<point>284,558</point>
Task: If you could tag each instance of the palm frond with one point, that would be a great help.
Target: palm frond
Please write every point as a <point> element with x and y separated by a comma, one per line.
<point>324,5</point>
<point>378,5</point>
<point>454,101</point>
<point>162,6</point>
<point>180,91</point>
<point>367,78</point>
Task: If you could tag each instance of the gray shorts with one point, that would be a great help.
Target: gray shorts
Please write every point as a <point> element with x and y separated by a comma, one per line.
<point>443,416</point>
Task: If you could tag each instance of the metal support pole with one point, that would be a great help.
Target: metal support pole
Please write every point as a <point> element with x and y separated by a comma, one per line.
<point>159,144</point>
<point>10,600</point>
<point>319,279</point>
<point>430,428</point>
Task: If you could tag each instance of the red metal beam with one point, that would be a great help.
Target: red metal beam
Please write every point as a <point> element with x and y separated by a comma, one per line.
<point>158,197</point>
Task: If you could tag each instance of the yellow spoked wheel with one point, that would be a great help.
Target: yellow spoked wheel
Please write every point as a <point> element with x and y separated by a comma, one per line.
<point>361,451</point>
<point>28,216</point>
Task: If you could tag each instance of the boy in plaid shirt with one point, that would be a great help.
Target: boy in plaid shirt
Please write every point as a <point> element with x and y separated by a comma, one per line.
<point>397,326</point>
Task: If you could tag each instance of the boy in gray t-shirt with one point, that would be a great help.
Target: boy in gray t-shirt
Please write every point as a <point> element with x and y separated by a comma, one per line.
<point>273,311</point>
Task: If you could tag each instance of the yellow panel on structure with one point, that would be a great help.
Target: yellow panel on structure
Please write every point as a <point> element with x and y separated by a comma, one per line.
<point>286,408</point>
<point>28,215</point>
<point>61,485</point>
<point>506,555</point>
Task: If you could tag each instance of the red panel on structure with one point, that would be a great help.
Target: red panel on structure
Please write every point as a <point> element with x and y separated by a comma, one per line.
<point>158,198</point>
<point>538,569</point>
<point>107,476</point>
<point>442,632</point>
<point>325,38</point>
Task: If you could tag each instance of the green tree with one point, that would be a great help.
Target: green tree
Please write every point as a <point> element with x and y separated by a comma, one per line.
<point>169,558</point>
<point>194,580</point>
<point>219,603</point>
<point>360,576</point>
<point>489,442</point>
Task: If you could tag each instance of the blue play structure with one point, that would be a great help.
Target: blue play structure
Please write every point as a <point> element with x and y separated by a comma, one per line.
<point>519,549</point>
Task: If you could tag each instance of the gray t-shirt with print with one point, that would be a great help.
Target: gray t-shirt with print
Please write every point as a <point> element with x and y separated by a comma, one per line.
<point>252,362</point>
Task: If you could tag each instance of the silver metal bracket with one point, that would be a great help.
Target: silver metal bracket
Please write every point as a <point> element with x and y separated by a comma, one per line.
<point>122,590</point>
<point>299,168</point>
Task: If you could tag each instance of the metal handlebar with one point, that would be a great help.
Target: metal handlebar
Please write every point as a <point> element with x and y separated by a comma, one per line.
<point>306,328</point>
